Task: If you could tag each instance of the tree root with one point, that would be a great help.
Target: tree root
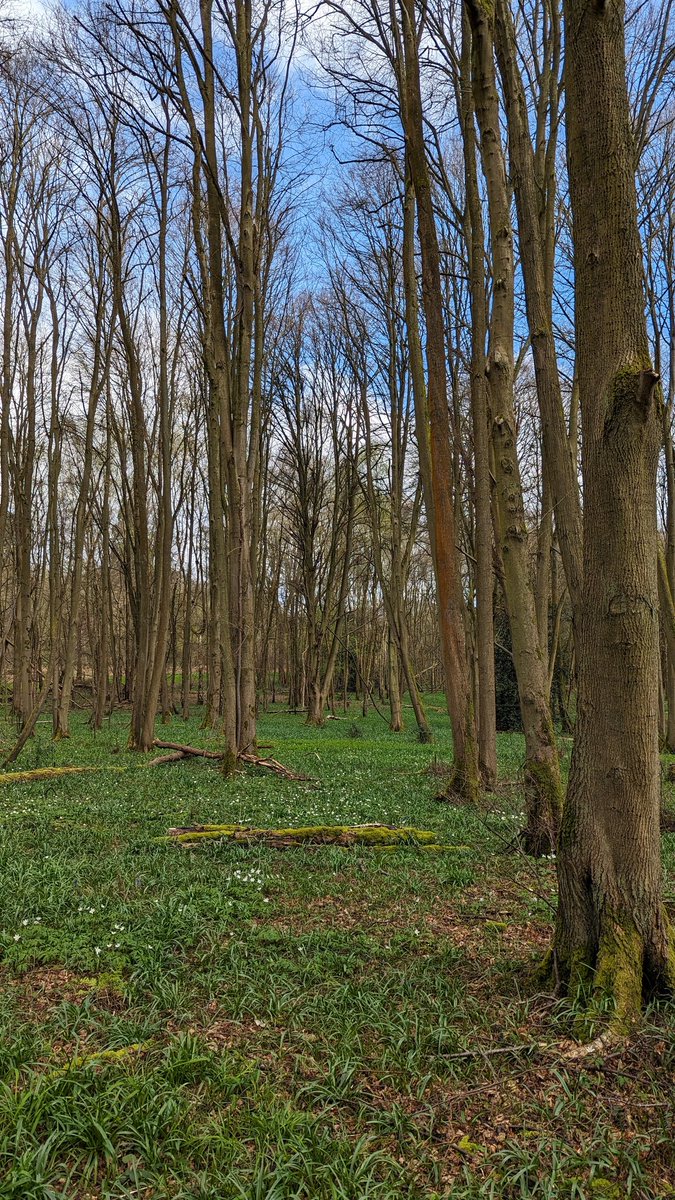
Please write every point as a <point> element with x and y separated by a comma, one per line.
<point>607,983</point>
<point>179,751</point>
<point>383,837</point>
<point>610,1037</point>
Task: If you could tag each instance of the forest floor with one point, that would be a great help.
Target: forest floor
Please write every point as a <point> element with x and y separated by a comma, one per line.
<point>316,1023</point>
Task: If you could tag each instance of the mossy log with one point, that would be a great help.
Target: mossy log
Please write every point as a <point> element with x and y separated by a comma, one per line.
<point>43,773</point>
<point>102,1057</point>
<point>376,836</point>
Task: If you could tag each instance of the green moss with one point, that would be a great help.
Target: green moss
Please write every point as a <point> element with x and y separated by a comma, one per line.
<point>579,973</point>
<point>44,773</point>
<point>543,970</point>
<point>110,982</point>
<point>102,1056</point>
<point>345,835</point>
<point>627,396</point>
<point>468,1147</point>
<point>543,798</point>
<point>606,1189</point>
<point>618,973</point>
<point>229,763</point>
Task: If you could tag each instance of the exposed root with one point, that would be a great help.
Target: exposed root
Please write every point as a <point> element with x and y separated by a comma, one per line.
<point>607,985</point>
<point>610,1037</point>
<point>618,974</point>
<point>375,836</point>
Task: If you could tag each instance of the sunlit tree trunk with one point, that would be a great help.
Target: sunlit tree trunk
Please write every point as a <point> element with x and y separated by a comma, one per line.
<point>612,924</point>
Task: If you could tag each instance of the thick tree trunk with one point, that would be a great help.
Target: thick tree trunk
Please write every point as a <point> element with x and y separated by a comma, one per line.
<point>611,920</point>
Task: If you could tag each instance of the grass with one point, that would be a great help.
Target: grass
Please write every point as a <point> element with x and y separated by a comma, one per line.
<point>318,1023</point>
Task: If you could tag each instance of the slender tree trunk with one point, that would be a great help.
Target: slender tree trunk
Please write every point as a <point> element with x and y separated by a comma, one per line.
<point>485,634</point>
<point>395,705</point>
<point>534,187</point>
<point>446,560</point>
<point>543,788</point>
<point>97,383</point>
<point>669,681</point>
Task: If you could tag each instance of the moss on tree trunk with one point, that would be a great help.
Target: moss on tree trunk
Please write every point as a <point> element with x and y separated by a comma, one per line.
<point>612,932</point>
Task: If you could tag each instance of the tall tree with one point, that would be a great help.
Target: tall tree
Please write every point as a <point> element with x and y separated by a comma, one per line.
<point>436,427</point>
<point>611,923</point>
<point>542,771</point>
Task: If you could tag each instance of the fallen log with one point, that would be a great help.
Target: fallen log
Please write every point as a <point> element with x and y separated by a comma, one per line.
<point>187,751</point>
<point>179,751</point>
<point>42,773</point>
<point>375,836</point>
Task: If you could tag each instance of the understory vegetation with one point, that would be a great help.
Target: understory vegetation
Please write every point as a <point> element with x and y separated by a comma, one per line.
<point>319,1022</point>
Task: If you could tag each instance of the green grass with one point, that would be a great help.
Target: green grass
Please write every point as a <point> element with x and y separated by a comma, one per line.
<point>318,1023</point>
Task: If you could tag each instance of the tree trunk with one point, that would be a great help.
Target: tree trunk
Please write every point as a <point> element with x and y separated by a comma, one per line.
<point>395,705</point>
<point>485,634</point>
<point>534,187</point>
<point>543,788</point>
<point>611,920</point>
<point>459,697</point>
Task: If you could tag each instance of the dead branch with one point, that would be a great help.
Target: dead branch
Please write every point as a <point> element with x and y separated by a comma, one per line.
<point>269,764</point>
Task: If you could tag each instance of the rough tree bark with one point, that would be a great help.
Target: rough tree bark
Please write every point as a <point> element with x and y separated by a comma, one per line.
<point>611,924</point>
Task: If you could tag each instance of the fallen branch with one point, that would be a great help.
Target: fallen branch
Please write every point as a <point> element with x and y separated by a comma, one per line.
<point>271,764</point>
<point>179,751</point>
<point>188,751</point>
<point>384,837</point>
<point>175,756</point>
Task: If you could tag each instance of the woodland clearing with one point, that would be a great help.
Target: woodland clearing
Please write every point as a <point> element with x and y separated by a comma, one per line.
<point>319,1021</point>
